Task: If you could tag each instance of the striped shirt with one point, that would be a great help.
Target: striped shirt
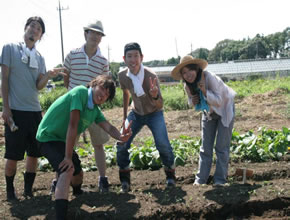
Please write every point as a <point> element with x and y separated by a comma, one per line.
<point>82,69</point>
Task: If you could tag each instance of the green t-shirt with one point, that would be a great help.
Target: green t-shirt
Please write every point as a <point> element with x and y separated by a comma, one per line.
<point>54,124</point>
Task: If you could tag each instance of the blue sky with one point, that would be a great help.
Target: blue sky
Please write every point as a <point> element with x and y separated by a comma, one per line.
<point>164,28</point>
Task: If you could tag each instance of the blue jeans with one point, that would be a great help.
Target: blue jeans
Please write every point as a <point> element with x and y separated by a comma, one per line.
<point>155,122</point>
<point>214,131</point>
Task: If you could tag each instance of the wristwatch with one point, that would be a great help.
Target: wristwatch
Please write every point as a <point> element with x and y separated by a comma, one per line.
<point>157,97</point>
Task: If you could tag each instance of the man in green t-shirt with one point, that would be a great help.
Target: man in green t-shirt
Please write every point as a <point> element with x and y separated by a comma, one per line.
<point>65,119</point>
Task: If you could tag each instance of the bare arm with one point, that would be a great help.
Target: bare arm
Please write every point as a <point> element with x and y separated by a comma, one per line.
<point>126,100</point>
<point>43,78</point>
<point>66,78</point>
<point>70,140</point>
<point>5,90</point>
<point>158,102</point>
<point>114,132</point>
<point>155,92</point>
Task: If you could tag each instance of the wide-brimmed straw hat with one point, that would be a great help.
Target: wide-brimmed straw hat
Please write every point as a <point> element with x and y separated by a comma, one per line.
<point>175,73</point>
<point>95,26</point>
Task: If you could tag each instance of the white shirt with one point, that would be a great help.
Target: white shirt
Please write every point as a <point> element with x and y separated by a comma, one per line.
<point>219,97</point>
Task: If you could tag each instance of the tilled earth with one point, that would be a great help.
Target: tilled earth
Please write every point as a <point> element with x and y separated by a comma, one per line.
<point>266,195</point>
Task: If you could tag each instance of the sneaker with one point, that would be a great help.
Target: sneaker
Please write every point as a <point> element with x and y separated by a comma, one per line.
<point>125,187</point>
<point>103,184</point>
<point>53,186</point>
<point>220,184</point>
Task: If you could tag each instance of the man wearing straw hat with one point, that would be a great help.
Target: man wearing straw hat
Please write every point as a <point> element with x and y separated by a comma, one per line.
<point>83,65</point>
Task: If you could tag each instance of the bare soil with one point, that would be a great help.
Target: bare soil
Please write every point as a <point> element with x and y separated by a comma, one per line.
<point>266,195</point>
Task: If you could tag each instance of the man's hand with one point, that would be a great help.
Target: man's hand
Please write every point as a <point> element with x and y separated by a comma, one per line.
<point>153,87</point>
<point>6,114</point>
<point>126,131</point>
<point>66,165</point>
<point>55,72</point>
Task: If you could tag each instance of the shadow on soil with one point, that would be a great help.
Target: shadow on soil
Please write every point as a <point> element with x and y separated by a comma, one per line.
<point>164,197</point>
<point>110,204</point>
<point>248,209</point>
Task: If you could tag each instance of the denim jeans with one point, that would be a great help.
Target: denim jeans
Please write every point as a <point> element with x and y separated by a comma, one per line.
<point>155,122</point>
<point>213,130</point>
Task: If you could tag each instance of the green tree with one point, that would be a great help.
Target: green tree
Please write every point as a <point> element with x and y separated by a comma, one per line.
<point>201,53</point>
<point>173,61</point>
<point>216,53</point>
<point>114,69</point>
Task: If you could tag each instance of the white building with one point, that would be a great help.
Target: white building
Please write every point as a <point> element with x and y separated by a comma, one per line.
<point>237,69</point>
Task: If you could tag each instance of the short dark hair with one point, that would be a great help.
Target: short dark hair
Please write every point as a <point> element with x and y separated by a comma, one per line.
<point>38,19</point>
<point>105,81</point>
<point>132,46</point>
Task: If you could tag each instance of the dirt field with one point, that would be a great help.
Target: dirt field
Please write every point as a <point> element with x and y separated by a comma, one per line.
<point>265,196</point>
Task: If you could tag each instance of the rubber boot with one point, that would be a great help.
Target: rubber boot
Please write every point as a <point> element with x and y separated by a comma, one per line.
<point>125,179</point>
<point>10,188</point>
<point>28,182</point>
<point>170,176</point>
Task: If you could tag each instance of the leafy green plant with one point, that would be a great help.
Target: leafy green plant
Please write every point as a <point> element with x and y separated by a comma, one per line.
<point>269,145</point>
<point>47,98</point>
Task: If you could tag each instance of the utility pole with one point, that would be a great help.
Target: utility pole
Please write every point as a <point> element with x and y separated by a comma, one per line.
<point>191,49</point>
<point>60,24</point>
<point>176,48</point>
<point>109,53</point>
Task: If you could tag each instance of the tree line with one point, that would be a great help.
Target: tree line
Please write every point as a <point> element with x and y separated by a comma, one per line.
<point>275,45</point>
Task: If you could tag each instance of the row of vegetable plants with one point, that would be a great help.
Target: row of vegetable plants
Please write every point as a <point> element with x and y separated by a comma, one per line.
<point>265,146</point>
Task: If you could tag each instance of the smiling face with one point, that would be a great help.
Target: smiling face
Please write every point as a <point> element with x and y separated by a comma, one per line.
<point>188,74</point>
<point>33,31</point>
<point>133,60</point>
<point>100,95</point>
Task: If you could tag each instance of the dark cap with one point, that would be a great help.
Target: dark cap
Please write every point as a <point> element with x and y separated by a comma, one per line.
<point>132,46</point>
<point>38,19</point>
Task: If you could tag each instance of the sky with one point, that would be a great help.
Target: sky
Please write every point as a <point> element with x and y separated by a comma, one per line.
<point>163,28</point>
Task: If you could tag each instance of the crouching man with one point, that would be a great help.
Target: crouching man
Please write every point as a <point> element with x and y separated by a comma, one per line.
<point>65,119</point>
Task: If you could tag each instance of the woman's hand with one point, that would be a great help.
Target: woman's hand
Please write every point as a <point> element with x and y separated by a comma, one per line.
<point>201,85</point>
<point>195,99</point>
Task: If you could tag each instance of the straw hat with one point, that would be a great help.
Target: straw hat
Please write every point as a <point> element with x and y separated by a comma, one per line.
<point>95,26</point>
<point>175,73</point>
